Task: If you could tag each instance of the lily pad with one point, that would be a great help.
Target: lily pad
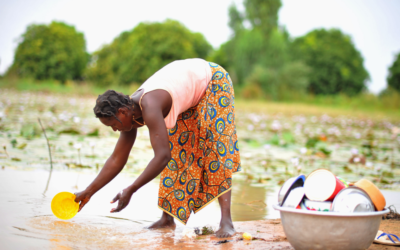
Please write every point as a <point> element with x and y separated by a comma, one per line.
<point>71,131</point>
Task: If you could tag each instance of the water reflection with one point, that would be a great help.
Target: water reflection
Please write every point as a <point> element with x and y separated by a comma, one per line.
<point>48,181</point>
<point>249,202</point>
<point>84,232</point>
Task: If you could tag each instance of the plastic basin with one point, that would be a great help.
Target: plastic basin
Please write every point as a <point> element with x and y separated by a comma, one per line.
<point>329,230</point>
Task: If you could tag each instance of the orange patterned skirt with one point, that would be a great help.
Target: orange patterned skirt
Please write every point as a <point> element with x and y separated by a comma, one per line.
<point>204,151</point>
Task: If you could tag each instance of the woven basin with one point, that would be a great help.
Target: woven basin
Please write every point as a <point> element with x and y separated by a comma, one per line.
<point>329,230</point>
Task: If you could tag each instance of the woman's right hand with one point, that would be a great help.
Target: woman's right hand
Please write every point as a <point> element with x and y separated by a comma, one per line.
<point>82,198</point>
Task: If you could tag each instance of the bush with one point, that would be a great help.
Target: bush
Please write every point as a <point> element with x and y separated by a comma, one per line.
<point>56,51</point>
<point>278,84</point>
<point>137,54</point>
<point>336,65</point>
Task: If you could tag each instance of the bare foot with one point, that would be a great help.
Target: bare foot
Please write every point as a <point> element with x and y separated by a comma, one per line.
<point>166,221</point>
<point>225,230</point>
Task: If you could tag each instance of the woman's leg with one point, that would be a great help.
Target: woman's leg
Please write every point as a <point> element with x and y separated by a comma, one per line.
<point>226,228</point>
<point>166,221</point>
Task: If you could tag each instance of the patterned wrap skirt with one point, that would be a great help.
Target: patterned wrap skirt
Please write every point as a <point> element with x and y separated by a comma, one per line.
<point>204,150</point>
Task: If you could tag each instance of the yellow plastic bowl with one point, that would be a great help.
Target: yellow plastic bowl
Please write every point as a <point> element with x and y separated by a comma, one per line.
<point>64,206</point>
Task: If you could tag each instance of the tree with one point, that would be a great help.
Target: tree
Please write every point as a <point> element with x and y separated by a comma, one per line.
<point>137,54</point>
<point>263,14</point>
<point>235,19</point>
<point>394,74</point>
<point>336,65</point>
<point>259,58</point>
<point>253,46</point>
<point>54,51</point>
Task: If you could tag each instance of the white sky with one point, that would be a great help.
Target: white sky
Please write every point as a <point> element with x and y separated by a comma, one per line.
<point>374,25</point>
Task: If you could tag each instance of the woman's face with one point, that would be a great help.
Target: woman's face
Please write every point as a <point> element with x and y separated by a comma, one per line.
<point>124,115</point>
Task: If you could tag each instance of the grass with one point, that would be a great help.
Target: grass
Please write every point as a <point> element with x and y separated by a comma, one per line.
<point>70,87</point>
<point>362,106</point>
<point>293,108</point>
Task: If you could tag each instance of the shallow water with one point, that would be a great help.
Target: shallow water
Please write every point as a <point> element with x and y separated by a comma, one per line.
<point>28,223</point>
<point>27,219</point>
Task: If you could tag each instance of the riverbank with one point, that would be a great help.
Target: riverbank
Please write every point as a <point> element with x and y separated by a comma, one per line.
<point>361,106</point>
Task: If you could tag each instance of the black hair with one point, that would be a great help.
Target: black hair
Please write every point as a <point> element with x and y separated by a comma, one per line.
<point>107,104</point>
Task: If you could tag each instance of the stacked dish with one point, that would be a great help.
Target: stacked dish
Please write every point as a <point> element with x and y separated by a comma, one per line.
<point>323,212</point>
<point>323,191</point>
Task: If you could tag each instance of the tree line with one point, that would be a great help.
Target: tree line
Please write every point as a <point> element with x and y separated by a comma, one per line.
<point>263,59</point>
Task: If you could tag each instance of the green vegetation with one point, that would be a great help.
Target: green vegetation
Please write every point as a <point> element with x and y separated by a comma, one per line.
<point>363,105</point>
<point>259,58</point>
<point>54,51</point>
<point>263,15</point>
<point>321,68</point>
<point>265,63</point>
<point>337,66</point>
<point>69,87</point>
<point>137,54</point>
<point>394,74</point>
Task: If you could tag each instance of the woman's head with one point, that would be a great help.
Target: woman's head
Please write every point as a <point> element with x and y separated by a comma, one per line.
<point>114,109</point>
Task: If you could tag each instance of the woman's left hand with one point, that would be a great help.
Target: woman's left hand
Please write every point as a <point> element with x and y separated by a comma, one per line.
<point>123,199</point>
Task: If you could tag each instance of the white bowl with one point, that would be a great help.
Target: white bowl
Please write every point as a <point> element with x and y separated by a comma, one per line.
<point>294,198</point>
<point>352,200</point>
<point>290,184</point>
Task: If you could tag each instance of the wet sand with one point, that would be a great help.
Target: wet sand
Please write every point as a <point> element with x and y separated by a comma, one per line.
<point>95,235</point>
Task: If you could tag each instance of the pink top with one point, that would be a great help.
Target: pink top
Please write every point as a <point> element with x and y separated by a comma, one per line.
<point>185,80</point>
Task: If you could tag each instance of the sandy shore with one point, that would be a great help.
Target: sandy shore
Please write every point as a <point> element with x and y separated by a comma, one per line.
<point>269,230</point>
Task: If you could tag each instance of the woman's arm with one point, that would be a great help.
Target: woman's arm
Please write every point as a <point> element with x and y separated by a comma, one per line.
<point>152,113</point>
<point>114,164</point>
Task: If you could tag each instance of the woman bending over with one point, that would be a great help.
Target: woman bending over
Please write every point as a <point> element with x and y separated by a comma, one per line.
<point>188,107</point>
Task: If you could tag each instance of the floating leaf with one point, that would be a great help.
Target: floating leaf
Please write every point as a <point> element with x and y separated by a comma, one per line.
<point>387,174</point>
<point>384,181</point>
<point>94,133</point>
<point>22,146</point>
<point>71,131</point>
<point>70,165</point>
<point>14,143</point>
<point>326,151</point>
<point>311,142</point>
<point>280,182</point>
<point>73,165</point>
<point>347,169</point>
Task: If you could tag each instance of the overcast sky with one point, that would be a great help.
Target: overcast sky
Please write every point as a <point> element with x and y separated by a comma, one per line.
<point>374,25</point>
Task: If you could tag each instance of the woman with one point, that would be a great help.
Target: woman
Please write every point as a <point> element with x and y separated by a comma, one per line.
<point>188,109</point>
